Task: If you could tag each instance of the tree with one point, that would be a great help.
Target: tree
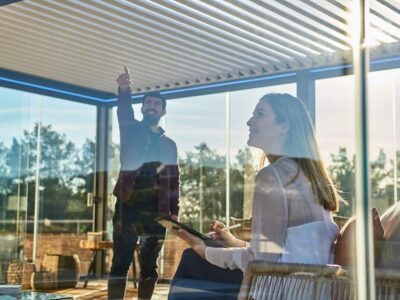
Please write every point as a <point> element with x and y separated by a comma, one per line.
<point>203,184</point>
<point>202,176</point>
<point>342,171</point>
<point>62,196</point>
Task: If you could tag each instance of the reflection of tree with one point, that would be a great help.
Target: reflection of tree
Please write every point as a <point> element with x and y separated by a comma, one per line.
<point>342,170</point>
<point>66,173</point>
<point>204,168</point>
<point>203,184</point>
<point>66,176</point>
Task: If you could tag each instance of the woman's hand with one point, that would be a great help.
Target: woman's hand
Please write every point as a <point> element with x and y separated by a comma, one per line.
<point>225,236</point>
<point>196,243</point>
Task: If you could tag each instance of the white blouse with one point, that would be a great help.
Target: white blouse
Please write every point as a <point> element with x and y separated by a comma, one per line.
<point>288,225</point>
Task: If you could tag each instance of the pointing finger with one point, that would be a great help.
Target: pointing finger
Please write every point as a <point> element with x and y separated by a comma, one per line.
<point>126,70</point>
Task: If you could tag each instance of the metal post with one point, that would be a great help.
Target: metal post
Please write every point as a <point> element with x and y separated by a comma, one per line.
<point>228,159</point>
<point>37,185</point>
<point>365,251</point>
<point>103,138</point>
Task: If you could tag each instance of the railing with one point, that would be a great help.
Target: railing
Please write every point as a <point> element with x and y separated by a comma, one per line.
<point>50,225</point>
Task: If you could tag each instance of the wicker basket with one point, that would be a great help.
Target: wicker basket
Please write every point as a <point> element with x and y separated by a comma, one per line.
<point>62,270</point>
<point>43,280</point>
<point>20,273</point>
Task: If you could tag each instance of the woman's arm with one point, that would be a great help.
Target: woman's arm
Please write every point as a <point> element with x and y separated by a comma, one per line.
<point>269,225</point>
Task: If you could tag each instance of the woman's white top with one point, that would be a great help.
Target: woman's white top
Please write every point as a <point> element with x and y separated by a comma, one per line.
<point>288,225</point>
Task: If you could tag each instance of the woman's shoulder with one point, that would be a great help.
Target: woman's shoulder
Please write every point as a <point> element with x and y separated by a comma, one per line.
<point>283,167</point>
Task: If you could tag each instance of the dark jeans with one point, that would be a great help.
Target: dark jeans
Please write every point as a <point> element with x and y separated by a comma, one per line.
<point>125,236</point>
<point>196,278</point>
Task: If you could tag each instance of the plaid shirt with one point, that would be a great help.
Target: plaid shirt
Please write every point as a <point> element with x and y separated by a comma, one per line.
<point>134,143</point>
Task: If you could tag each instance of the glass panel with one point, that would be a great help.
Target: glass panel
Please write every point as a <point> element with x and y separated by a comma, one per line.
<point>244,160</point>
<point>113,172</point>
<point>45,210</point>
<point>383,140</point>
<point>66,178</point>
<point>16,179</point>
<point>200,135</point>
<point>335,119</point>
<point>384,103</point>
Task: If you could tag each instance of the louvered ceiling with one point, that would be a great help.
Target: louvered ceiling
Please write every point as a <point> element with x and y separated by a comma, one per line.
<point>184,42</point>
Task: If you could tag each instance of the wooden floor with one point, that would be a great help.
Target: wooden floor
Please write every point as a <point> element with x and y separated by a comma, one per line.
<point>97,289</point>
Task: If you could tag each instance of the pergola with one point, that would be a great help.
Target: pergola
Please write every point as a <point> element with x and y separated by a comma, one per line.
<point>75,49</point>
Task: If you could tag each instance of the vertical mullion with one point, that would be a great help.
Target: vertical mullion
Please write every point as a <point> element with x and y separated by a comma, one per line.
<point>227,158</point>
<point>364,241</point>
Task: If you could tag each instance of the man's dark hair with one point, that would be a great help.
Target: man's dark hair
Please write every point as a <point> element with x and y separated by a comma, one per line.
<point>156,95</point>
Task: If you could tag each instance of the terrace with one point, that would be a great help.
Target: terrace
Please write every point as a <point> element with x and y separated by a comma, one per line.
<point>212,60</point>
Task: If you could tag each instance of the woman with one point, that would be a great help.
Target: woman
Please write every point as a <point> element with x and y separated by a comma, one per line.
<point>293,200</point>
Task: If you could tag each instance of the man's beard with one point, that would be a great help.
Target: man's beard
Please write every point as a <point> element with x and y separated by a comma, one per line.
<point>151,119</point>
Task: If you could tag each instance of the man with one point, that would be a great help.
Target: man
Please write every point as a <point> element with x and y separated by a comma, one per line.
<point>147,186</point>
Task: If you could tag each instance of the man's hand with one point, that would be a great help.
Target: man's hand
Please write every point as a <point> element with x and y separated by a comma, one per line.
<point>196,243</point>
<point>124,80</point>
<point>175,217</point>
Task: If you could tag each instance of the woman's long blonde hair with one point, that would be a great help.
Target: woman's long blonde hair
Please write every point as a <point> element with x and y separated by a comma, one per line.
<point>301,145</point>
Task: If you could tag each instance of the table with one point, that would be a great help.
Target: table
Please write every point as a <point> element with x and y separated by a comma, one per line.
<point>39,296</point>
<point>102,246</point>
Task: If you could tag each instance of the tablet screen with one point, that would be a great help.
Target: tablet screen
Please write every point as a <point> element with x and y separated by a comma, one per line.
<point>170,223</point>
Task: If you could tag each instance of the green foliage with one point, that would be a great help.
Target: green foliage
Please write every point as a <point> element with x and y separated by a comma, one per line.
<point>66,176</point>
<point>203,185</point>
<point>66,173</point>
<point>382,177</point>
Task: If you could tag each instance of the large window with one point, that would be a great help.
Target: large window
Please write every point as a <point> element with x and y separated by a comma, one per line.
<point>47,175</point>
<point>335,128</point>
<point>200,136</point>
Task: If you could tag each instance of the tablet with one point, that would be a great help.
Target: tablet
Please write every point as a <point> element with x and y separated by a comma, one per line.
<point>170,223</point>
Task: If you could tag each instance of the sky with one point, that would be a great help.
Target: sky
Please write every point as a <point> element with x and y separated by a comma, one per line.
<point>193,120</point>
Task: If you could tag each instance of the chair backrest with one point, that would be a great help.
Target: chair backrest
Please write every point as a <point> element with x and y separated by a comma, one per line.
<point>272,281</point>
<point>269,281</point>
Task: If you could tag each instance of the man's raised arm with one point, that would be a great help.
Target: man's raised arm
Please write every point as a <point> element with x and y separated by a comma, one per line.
<point>124,110</point>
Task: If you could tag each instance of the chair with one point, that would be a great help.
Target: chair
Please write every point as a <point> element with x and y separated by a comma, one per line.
<point>272,281</point>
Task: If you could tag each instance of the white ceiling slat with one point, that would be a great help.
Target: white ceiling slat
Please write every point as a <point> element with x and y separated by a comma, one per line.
<point>226,50</point>
<point>269,26</point>
<point>271,22</point>
<point>172,39</point>
<point>393,5</point>
<point>342,4</point>
<point>318,14</point>
<point>122,33</point>
<point>385,18</point>
<point>127,49</point>
<point>238,27</point>
<point>310,27</point>
<point>204,18</point>
<point>50,67</point>
<point>82,56</point>
<point>328,7</point>
<point>69,64</point>
<point>104,41</point>
<point>191,25</point>
<point>183,43</point>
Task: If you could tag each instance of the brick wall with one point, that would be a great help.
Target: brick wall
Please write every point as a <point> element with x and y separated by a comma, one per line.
<point>60,243</point>
<point>69,244</point>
